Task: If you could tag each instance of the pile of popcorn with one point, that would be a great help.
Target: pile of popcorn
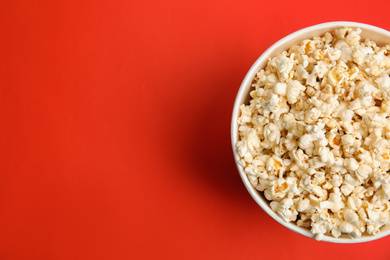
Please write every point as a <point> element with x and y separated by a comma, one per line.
<point>315,136</point>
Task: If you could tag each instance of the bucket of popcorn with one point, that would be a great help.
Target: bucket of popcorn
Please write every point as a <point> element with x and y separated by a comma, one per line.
<point>311,132</point>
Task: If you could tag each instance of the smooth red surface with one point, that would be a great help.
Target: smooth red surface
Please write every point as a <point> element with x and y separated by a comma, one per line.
<point>115,119</point>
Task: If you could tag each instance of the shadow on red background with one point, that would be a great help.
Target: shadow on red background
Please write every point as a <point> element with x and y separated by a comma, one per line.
<point>209,148</point>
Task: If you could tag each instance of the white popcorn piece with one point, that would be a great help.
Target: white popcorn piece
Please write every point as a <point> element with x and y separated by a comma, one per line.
<point>293,91</point>
<point>351,164</point>
<point>354,202</point>
<point>363,171</point>
<point>373,229</point>
<point>356,233</point>
<point>365,89</point>
<point>334,53</point>
<point>346,115</point>
<point>346,189</point>
<point>362,54</point>
<point>346,227</point>
<point>353,38</point>
<point>303,205</point>
<point>272,133</point>
<point>302,72</point>
<point>272,105</point>
<point>383,81</point>
<point>312,116</point>
<point>286,210</point>
<point>284,66</point>
<point>351,217</point>
<point>336,232</point>
<point>326,156</point>
<point>348,179</point>
<point>280,88</point>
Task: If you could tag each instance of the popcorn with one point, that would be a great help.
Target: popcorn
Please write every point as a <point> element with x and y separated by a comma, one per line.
<point>351,164</point>
<point>271,133</point>
<point>363,171</point>
<point>346,227</point>
<point>351,217</point>
<point>280,88</point>
<point>293,91</point>
<point>336,76</point>
<point>315,137</point>
<point>284,66</point>
<point>383,81</point>
<point>272,104</point>
<point>303,205</point>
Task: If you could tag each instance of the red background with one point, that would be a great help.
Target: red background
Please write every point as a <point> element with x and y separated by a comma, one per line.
<point>114,129</point>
